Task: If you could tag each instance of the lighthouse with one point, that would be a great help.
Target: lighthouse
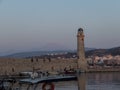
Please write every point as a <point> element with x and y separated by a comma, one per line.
<point>81,61</point>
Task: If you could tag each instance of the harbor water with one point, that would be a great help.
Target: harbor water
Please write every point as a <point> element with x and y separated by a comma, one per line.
<point>93,81</point>
<point>86,81</point>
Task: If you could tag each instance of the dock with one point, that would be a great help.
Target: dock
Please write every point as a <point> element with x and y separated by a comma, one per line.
<point>47,79</point>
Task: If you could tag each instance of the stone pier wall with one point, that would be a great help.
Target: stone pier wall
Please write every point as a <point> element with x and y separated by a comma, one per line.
<point>14,66</point>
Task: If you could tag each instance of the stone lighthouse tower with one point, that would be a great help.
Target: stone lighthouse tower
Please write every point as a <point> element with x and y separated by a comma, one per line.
<point>82,63</point>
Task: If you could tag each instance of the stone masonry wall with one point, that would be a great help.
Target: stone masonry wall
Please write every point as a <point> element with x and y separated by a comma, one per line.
<point>14,66</point>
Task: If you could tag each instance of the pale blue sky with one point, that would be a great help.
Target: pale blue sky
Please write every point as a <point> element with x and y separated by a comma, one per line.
<point>27,25</point>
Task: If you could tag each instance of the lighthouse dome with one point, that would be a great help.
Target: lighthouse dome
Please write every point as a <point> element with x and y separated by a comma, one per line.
<point>80,30</point>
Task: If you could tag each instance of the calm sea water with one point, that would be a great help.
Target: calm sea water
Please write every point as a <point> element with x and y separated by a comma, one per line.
<point>92,81</point>
<point>88,81</point>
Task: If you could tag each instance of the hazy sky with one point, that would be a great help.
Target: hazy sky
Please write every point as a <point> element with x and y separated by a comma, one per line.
<point>34,24</point>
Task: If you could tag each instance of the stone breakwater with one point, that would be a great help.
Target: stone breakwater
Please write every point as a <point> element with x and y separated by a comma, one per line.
<point>9,66</point>
<point>12,66</point>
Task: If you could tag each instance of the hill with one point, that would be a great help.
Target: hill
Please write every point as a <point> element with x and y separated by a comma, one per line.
<point>32,54</point>
<point>89,52</point>
<point>40,53</point>
<point>101,52</point>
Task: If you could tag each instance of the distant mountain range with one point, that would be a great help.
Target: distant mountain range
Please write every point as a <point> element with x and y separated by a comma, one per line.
<point>39,53</point>
<point>89,52</point>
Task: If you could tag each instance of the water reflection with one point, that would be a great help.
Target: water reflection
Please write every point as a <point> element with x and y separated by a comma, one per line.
<point>82,81</point>
<point>103,81</point>
<point>86,81</point>
<point>92,81</point>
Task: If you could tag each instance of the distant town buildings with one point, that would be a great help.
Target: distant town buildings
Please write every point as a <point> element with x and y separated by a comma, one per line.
<point>107,60</point>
